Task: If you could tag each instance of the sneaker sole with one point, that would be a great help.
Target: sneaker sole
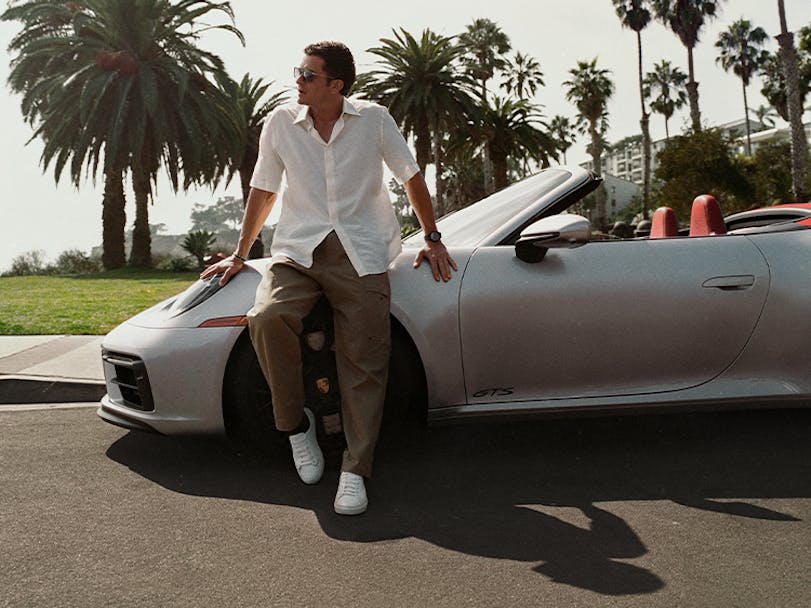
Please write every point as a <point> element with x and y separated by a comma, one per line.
<point>351,510</point>
<point>310,482</point>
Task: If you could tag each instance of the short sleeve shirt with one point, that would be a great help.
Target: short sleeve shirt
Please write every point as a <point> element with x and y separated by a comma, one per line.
<point>336,185</point>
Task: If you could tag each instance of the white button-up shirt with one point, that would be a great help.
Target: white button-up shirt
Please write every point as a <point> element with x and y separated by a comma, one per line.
<point>336,185</point>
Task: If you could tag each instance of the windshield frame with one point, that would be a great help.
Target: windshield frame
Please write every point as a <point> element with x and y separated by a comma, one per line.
<point>540,192</point>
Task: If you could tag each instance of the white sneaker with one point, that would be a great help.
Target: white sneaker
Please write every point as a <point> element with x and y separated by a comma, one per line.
<point>307,455</point>
<point>351,496</point>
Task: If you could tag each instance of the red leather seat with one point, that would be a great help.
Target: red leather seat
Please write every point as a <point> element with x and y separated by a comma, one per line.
<point>664,223</point>
<point>706,218</point>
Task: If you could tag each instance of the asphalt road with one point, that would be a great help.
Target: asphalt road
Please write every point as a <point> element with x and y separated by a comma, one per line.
<point>679,510</point>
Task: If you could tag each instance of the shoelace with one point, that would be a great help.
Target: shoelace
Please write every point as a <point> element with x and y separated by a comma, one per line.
<point>301,452</point>
<point>350,486</point>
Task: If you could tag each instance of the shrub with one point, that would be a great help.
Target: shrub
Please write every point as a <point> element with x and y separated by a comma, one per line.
<point>700,163</point>
<point>74,261</point>
<point>28,263</point>
<point>174,264</point>
<point>198,243</point>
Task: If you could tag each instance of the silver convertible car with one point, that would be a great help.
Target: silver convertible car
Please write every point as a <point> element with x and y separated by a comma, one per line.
<point>539,318</point>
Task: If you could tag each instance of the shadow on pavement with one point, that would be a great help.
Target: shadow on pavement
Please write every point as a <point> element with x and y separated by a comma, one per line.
<point>488,490</point>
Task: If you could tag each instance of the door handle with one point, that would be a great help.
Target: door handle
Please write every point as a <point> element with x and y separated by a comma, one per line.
<point>730,283</point>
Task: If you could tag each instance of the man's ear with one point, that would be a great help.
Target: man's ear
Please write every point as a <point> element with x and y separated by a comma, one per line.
<point>337,84</point>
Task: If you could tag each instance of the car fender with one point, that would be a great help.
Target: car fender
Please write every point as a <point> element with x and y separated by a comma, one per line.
<point>429,311</point>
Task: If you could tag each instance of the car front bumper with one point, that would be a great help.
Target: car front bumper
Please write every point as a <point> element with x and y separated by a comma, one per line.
<point>167,380</point>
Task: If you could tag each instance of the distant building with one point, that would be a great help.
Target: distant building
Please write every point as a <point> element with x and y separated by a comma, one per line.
<point>624,159</point>
<point>769,135</point>
<point>619,194</point>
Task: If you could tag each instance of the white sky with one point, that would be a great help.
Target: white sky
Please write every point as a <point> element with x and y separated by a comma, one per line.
<point>37,214</point>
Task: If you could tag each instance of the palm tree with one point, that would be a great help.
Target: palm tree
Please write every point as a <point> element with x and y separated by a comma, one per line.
<point>511,130</point>
<point>123,84</point>
<point>765,115</point>
<point>669,82</point>
<point>635,15</point>
<point>741,51</point>
<point>463,173</point>
<point>485,47</point>
<point>799,145</point>
<point>252,109</point>
<point>686,18</point>
<point>589,88</point>
<point>424,92</point>
<point>43,53</point>
<point>198,244</point>
<point>523,76</point>
<point>774,80</point>
<point>562,130</point>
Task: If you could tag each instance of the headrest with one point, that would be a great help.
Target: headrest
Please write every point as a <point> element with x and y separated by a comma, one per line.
<point>664,223</point>
<point>706,217</point>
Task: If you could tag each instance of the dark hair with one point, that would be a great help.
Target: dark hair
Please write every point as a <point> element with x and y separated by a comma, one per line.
<point>338,61</point>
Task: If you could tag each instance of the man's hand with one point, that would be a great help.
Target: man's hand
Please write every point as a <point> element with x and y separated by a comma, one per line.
<point>438,257</point>
<point>228,267</point>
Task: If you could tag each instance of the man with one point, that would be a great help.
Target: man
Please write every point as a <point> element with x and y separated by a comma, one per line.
<point>336,236</point>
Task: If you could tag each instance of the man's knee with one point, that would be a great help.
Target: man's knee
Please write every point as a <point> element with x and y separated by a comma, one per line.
<point>275,316</point>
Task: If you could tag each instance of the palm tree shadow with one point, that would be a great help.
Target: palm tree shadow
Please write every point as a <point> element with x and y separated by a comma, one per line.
<point>493,490</point>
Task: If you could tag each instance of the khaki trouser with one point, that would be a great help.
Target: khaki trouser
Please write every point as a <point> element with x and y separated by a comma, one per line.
<point>360,307</point>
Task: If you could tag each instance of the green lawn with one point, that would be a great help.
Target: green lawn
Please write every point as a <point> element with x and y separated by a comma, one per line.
<point>83,304</point>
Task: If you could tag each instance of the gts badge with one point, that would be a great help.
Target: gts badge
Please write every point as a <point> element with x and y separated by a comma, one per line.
<point>494,392</point>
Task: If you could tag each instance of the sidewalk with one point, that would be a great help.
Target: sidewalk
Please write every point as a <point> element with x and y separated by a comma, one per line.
<point>50,369</point>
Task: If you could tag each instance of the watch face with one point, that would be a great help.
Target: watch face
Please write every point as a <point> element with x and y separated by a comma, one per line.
<point>434,236</point>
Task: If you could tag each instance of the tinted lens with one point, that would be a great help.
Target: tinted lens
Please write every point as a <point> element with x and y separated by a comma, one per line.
<point>307,75</point>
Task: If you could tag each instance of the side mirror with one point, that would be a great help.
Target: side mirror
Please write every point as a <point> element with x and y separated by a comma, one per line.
<point>558,231</point>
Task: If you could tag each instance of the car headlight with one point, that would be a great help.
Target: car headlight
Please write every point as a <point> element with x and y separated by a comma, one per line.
<point>197,293</point>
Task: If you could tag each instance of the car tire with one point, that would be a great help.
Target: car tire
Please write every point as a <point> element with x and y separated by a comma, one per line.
<point>406,399</point>
<point>248,403</point>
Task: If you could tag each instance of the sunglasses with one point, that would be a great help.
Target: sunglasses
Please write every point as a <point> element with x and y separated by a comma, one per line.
<point>308,75</point>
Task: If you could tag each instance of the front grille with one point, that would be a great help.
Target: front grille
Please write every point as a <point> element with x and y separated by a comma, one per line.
<point>128,375</point>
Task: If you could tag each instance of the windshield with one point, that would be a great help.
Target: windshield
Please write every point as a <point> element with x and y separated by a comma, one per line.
<point>469,226</point>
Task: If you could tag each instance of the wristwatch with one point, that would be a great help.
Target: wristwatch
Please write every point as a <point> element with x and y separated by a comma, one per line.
<point>433,236</point>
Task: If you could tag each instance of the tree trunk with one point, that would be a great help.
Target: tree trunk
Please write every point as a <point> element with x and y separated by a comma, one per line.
<point>596,159</point>
<point>692,92</point>
<point>422,145</point>
<point>245,185</point>
<point>799,144</point>
<point>141,253</point>
<point>667,131</point>
<point>486,160</point>
<point>499,171</point>
<point>113,221</point>
<point>440,191</point>
<point>746,120</point>
<point>644,124</point>
<point>257,249</point>
<point>246,173</point>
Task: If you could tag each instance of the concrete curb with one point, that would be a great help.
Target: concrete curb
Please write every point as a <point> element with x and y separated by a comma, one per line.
<point>29,389</point>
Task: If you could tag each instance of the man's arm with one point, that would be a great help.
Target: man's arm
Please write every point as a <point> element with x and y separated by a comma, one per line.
<point>260,202</point>
<point>436,254</point>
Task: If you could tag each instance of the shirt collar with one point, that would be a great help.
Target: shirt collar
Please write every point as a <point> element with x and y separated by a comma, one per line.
<point>304,118</point>
<point>349,108</point>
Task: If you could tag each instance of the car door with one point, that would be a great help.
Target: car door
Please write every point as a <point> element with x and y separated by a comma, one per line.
<point>609,318</point>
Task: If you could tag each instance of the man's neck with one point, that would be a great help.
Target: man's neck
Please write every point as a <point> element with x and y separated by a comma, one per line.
<point>329,112</point>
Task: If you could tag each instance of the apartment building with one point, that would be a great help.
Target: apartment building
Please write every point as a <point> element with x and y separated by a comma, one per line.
<point>624,159</point>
